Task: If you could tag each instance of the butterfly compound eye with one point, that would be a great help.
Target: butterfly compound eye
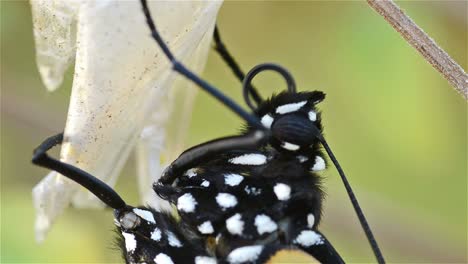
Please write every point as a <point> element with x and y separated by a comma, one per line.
<point>294,129</point>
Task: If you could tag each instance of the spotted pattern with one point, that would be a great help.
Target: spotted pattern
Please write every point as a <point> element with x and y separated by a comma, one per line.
<point>186,203</point>
<point>245,254</point>
<point>249,159</point>
<point>237,196</point>
<point>288,108</point>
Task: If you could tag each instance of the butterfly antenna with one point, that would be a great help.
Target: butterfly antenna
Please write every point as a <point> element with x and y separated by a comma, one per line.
<point>179,67</point>
<point>353,199</point>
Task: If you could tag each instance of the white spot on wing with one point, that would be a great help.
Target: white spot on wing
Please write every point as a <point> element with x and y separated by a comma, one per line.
<point>312,116</point>
<point>162,258</point>
<point>249,159</point>
<point>245,254</point>
<point>226,200</point>
<point>319,164</point>
<point>289,146</point>
<point>235,225</point>
<point>309,238</point>
<point>206,228</point>
<point>156,234</point>
<point>265,224</point>
<point>282,191</point>
<point>233,179</point>
<point>267,120</point>
<point>173,240</point>
<point>310,220</point>
<point>147,215</point>
<point>205,260</point>
<point>130,241</point>
<point>288,108</point>
<point>186,203</point>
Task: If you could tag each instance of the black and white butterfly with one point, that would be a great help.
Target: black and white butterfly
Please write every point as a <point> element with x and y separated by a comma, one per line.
<point>248,198</point>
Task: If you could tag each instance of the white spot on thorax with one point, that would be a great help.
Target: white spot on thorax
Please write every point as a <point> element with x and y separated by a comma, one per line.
<point>233,179</point>
<point>156,234</point>
<point>130,241</point>
<point>173,240</point>
<point>205,183</point>
<point>265,224</point>
<point>290,146</point>
<point>235,225</point>
<point>308,238</point>
<point>226,200</point>
<point>312,116</point>
<point>319,164</point>
<point>302,158</point>
<point>186,203</point>
<point>282,191</point>
<point>252,190</point>
<point>310,220</point>
<point>288,108</point>
<point>162,258</point>
<point>206,228</point>
<point>147,215</point>
<point>245,254</point>
<point>249,159</point>
<point>267,120</point>
<point>191,173</point>
<point>205,260</point>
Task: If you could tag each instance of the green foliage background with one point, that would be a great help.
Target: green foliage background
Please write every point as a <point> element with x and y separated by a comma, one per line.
<point>397,127</point>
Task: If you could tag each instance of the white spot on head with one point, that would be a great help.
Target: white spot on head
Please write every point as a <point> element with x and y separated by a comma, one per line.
<point>302,158</point>
<point>312,116</point>
<point>267,120</point>
<point>205,183</point>
<point>288,108</point>
<point>309,238</point>
<point>282,191</point>
<point>233,179</point>
<point>252,190</point>
<point>147,215</point>
<point>226,200</point>
<point>290,146</point>
<point>264,224</point>
<point>162,258</point>
<point>206,228</point>
<point>245,254</point>
<point>130,241</point>
<point>249,159</point>
<point>156,234</point>
<point>205,260</point>
<point>173,240</point>
<point>310,220</point>
<point>191,173</point>
<point>186,203</point>
<point>235,225</point>
<point>319,164</point>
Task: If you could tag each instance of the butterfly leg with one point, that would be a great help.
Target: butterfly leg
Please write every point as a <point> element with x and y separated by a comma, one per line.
<point>220,47</point>
<point>93,184</point>
<point>207,150</point>
<point>180,68</point>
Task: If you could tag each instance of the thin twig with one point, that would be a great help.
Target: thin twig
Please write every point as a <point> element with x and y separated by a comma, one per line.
<point>416,37</point>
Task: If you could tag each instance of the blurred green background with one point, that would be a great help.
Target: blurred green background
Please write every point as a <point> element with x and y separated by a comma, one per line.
<point>397,127</point>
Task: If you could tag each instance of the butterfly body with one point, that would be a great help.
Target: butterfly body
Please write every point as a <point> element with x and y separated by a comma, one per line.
<point>246,205</point>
